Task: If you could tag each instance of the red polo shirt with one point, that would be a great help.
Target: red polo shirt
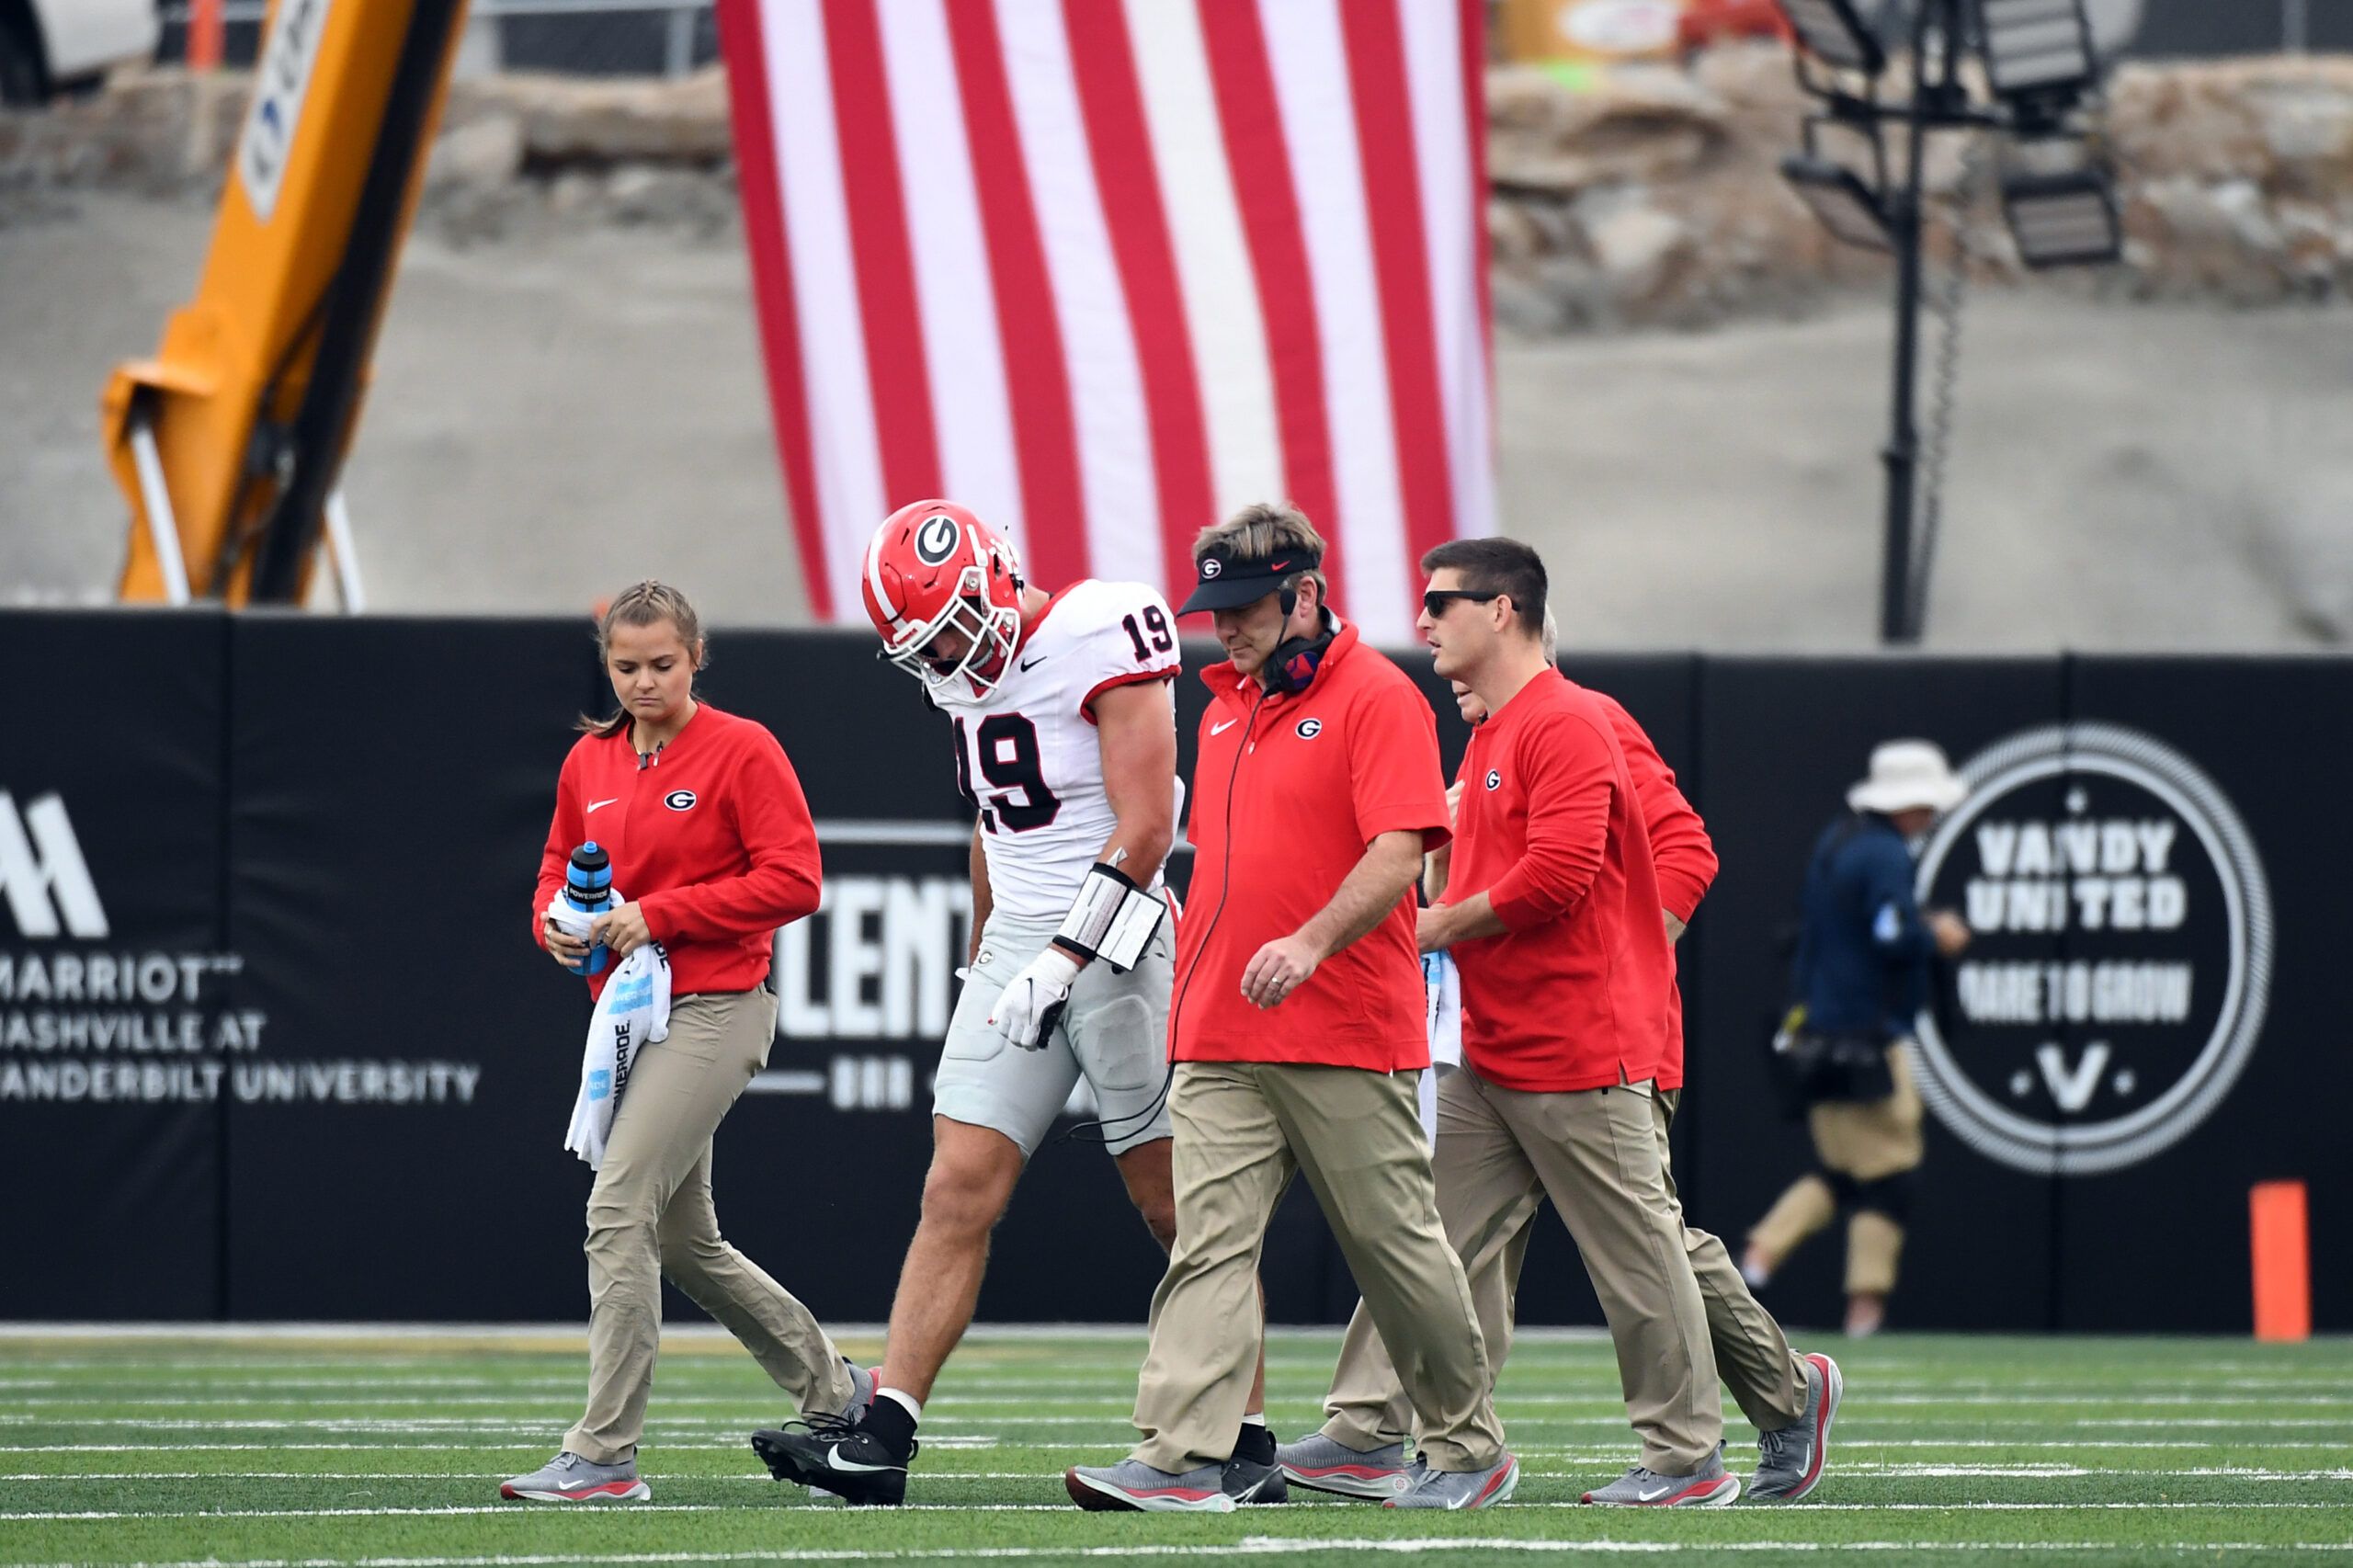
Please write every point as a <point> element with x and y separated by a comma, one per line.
<point>713,842</point>
<point>1287,792</point>
<point>1681,853</point>
<point>1573,994</point>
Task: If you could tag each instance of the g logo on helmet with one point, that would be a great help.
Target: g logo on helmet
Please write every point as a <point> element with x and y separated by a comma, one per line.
<point>679,800</point>
<point>1495,778</point>
<point>1210,567</point>
<point>936,539</point>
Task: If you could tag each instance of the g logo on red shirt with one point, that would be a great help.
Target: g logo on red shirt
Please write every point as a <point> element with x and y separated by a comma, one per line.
<point>679,800</point>
<point>1495,778</point>
<point>1309,729</point>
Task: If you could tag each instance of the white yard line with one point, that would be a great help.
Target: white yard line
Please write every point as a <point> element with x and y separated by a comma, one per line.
<point>520,1509</point>
<point>1249,1546</point>
<point>754,1401</point>
<point>1895,1471</point>
<point>982,1441</point>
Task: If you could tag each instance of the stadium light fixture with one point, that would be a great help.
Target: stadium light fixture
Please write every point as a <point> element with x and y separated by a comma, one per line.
<point>2039,66</point>
<point>1849,209</point>
<point>2038,55</point>
<point>1833,34</point>
<point>2067,218</point>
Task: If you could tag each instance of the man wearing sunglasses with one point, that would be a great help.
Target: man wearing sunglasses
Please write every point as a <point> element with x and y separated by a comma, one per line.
<point>1790,1398</point>
<point>1297,1031</point>
<point>1552,911</point>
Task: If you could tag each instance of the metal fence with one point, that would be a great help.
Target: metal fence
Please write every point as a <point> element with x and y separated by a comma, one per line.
<point>584,38</point>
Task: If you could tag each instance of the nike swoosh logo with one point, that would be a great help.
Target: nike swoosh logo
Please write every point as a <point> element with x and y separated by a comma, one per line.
<point>834,1460</point>
<point>1655,1497</point>
<point>1220,729</point>
<point>1027,663</point>
<point>595,805</point>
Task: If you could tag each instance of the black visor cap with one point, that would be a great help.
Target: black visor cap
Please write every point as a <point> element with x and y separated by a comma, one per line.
<point>1229,582</point>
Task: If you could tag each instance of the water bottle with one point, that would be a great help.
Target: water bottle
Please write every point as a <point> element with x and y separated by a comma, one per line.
<point>588,888</point>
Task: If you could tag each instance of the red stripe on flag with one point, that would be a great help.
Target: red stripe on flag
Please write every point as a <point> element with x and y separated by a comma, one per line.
<point>1376,53</point>
<point>1127,181</point>
<point>761,192</point>
<point>1473,14</point>
<point>888,305</point>
<point>1037,376</point>
<point>1259,159</point>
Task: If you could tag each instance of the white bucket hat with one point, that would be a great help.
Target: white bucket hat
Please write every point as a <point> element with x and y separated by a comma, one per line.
<point>1908,776</point>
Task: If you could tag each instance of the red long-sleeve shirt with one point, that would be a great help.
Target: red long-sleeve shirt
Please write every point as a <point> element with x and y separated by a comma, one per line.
<point>1573,994</point>
<point>1682,856</point>
<point>712,841</point>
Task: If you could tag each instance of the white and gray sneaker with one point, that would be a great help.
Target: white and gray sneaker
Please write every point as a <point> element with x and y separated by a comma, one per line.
<point>1325,1464</point>
<point>1461,1489</point>
<point>1710,1486</point>
<point>1790,1462</point>
<point>568,1478</point>
<point>1133,1484</point>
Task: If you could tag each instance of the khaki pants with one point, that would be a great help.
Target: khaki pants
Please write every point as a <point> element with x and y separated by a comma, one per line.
<point>1241,1128</point>
<point>650,1213</point>
<point>1864,1140</point>
<point>1599,1155</point>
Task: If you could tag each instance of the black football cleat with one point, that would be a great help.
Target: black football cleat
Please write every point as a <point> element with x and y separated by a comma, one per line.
<point>839,1456</point>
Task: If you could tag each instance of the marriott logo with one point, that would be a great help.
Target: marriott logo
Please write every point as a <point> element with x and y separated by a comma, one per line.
<point>42,875</point>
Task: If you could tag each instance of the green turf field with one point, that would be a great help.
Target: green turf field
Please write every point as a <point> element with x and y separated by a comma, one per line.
<point>387,1452</point>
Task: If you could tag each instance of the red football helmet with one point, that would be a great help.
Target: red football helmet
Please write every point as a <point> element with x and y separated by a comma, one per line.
<point>935,567</point>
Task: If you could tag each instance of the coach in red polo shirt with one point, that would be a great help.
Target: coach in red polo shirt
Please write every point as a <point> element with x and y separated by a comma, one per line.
<point>1297,1031</point>
<point>1553,912</point>
<point>1789,1398</point>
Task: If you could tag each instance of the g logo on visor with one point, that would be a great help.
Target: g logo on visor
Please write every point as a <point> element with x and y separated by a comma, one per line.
<point>1210,567</point>
<point>935,541</point>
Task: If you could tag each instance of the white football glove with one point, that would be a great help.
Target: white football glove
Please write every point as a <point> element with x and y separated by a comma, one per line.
<point>1033,1000</point>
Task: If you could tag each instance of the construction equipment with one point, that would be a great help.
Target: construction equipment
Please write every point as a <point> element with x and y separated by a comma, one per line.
<point>228,443</point>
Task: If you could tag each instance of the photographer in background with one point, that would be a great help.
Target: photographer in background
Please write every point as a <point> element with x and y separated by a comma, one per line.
<point>1861,980</point>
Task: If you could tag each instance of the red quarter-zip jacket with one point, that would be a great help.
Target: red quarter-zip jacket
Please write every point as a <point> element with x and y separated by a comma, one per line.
<point>1681,854</point>
<point>712,841</point>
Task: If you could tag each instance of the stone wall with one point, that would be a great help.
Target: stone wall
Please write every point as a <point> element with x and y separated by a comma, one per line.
<point>1658,201</point>
<point>1653,201</point>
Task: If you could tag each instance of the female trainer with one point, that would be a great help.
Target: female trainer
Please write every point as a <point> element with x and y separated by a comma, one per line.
<point>711,844</point>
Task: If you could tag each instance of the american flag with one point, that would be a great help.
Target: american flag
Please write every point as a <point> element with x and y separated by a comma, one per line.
<point>1105,270</point>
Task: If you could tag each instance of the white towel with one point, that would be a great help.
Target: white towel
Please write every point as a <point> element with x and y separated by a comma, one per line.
<point>633,1012</point>
<point>1444,984</point>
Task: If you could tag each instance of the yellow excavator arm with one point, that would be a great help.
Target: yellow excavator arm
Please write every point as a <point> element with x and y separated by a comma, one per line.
<point>228,443</point>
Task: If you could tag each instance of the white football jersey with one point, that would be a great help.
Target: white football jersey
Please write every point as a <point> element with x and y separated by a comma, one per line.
<point>1027,757</point>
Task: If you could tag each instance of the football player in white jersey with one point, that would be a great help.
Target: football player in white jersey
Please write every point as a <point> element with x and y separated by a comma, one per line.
<point>1065,736</point>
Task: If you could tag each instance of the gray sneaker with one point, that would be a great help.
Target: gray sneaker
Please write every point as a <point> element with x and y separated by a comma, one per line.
<point>1710,1486</point>
<point>1462,1488</point>
<point>568,1478</point>
<point>1326,1464</point>
<point>1131,1483</point>
<point>1790,1462</point>
<point>862,1392</point>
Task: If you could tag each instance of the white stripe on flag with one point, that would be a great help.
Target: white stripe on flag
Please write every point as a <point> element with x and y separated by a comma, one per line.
<point>1306,50</point>
<point>1107,387</point>
<point>1432,41</point>
<point>1213,258</point>
<point>824,275</point>
<point>969,411</point>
